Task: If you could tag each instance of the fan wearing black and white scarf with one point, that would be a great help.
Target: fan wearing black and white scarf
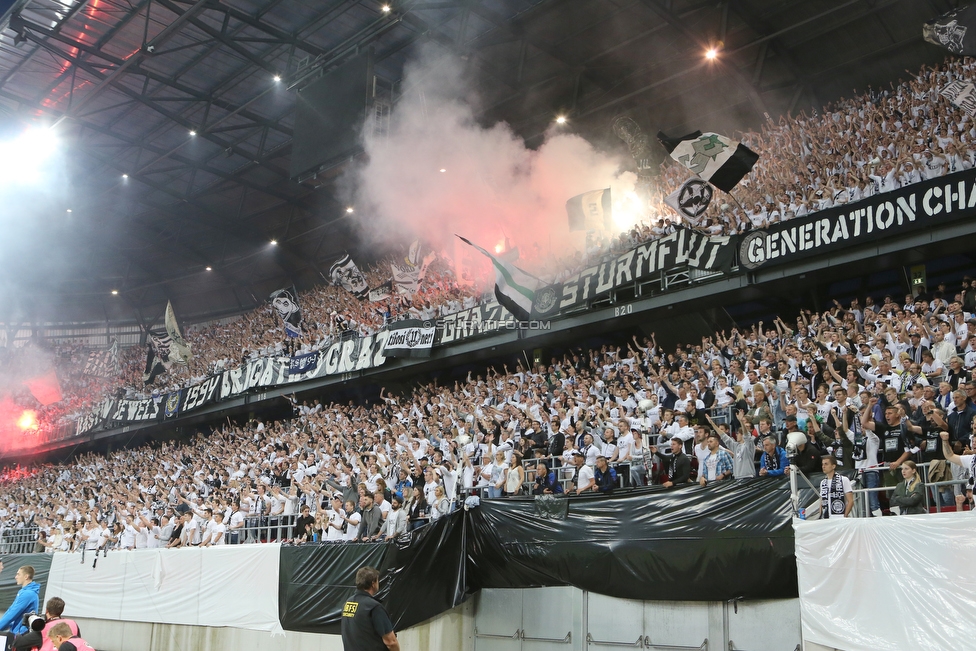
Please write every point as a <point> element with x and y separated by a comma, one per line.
<point>967,461</point>
<point>836,493</point>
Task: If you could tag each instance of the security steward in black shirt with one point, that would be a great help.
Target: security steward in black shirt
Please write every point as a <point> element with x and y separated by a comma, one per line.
<point>365,624</point>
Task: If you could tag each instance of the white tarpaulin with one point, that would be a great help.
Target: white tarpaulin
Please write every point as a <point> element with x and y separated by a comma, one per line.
<point>231,585</point>
<point>894,583</point>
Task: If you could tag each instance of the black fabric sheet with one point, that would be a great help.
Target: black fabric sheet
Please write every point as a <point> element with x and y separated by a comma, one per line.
<point>13,562</point>
<point>698,544</point>
<point>422,575</point>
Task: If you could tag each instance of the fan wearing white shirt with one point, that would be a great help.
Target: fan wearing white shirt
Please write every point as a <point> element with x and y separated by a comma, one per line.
<point>216,530</point>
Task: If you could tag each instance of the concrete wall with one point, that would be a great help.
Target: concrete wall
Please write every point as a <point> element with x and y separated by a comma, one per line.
<point>448,631</point>
<point>540,619</point>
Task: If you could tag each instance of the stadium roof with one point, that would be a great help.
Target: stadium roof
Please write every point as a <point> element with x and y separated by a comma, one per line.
<point>217,198</point>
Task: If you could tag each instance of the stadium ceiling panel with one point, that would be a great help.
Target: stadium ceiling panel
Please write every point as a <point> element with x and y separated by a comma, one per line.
<point>128,81</point>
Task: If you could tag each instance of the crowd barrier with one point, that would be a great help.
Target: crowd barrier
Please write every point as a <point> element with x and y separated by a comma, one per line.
<point>18,541</point>
<point>935,492</point>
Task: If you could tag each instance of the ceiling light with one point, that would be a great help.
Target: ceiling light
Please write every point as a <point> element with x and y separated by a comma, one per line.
<point>115,292</point>
<point>192,132</point>
<point>349,210</point>
<point>125,176</point>
<point>386,9</point>
<point>443,170</point>
<point>561,119</point>
<point>209,268</point>
<point>69,209</point>
<point>711,54</point>
<point>274,242</point>
<point>277,77</point>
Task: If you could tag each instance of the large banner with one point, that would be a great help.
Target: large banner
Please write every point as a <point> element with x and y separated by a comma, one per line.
<point>410,338</point>
<point>347,356</point>
<point>904,210</point>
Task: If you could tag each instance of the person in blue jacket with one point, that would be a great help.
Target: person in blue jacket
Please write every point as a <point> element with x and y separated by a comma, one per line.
<point>24,602</point>
<point>773,462</point>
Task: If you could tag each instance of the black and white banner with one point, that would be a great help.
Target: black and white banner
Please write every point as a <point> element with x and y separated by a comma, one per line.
<point>341,357</point>
<point>962,94</point>
<point>904,210</point>
<point>410,338</point>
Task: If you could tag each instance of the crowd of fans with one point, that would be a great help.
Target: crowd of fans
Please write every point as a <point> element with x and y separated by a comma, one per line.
<point>874,142</point>
<point>870,386</point>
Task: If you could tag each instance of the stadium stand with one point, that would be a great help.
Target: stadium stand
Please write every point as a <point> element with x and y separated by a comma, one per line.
<point>879,141</point>
<point>843,377</point>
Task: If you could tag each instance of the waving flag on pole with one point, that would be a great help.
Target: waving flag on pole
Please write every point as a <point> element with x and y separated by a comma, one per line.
<point>347,275</point>
<point>691,199</point>
<point>285,303</point>
<point>719,160</point>
<point>179,349</point>
<point>955,31</point>
<point>519,292</point>
<point>590,211</point>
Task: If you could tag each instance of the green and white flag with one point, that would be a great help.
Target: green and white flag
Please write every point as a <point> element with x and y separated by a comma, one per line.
<point>719,160</point>
<point>519,292</point>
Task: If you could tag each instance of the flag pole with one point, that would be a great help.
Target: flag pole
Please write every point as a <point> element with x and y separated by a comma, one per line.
<point>741,207</point>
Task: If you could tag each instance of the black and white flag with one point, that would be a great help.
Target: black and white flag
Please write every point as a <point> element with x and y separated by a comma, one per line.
<point>719,160</point>
<point>955,31</point>
<point>962,94</point>
<point>410,338</point>
<point>691,200</point>
<point>382,292</point>
<point>103,363</point>
<point>157,356</point>
<point>347,275</point>
<point>285,303</point>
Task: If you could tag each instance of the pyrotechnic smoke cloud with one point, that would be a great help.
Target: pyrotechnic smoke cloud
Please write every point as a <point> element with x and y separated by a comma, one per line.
<point>439,172</point>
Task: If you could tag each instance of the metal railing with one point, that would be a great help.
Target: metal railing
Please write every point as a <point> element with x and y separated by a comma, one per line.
<point>862,494</point>
<point>264,528</point>
<point>18,541</point>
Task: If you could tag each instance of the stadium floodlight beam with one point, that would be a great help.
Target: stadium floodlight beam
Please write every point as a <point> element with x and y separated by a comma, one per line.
<point>24,157</point>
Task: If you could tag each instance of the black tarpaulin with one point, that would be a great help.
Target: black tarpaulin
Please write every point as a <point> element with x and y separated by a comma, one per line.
<point>698,544</point>
<point>422,575</point>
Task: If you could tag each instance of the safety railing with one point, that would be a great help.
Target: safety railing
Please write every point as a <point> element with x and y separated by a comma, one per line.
<point>18,541</point>
<point>264,528</point>
<point>862,494</point>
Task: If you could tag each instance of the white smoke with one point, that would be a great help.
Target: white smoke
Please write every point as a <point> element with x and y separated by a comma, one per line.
<point>492,189</point>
